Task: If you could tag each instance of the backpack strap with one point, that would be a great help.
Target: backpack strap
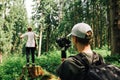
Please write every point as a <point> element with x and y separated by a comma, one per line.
<point>83,59</point>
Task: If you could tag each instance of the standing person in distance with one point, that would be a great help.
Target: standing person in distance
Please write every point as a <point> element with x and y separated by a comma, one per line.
<point>71,68</point>
<point>30,45</point>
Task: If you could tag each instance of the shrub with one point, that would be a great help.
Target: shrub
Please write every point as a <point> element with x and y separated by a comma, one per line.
<point>49,61</point>
<point>113,59</point>
<point>11,67</point>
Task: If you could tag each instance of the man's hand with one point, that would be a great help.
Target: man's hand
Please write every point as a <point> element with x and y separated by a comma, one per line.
<point>20,35</point>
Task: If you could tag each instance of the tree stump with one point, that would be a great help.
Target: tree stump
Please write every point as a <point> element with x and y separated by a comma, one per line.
<point>31,72</point>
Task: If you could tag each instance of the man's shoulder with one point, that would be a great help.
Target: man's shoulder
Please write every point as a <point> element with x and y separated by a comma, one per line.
<point>68,60</point>
<point>72,60</point>
<point>30,33</point>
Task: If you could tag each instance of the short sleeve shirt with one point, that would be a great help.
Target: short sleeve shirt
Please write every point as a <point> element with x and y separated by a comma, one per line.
<point>30,39</point>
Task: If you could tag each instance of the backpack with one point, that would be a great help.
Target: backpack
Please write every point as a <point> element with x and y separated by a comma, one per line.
<point>98,72</point>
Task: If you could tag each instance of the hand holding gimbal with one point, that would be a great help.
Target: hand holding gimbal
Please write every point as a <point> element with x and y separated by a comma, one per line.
<point>64,43</point>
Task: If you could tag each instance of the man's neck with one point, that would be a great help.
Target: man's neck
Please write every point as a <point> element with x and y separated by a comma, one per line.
<point>84,48</point>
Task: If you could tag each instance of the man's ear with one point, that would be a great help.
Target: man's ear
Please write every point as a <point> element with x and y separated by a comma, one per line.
<point>75,39</point>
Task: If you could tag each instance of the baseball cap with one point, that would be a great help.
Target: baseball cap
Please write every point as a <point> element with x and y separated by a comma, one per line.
<point>80,30</point>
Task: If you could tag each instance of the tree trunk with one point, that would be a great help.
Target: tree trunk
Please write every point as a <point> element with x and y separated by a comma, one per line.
<point>48,38</point>
<point>115,26</point>
<point>109,27</point>
<point>40,40</point>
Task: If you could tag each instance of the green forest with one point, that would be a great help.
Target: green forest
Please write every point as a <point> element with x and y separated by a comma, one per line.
<point>53,19</point>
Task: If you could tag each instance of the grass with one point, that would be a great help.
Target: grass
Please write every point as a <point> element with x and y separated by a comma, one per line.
<point>103,52</point>
<point>49,61</point>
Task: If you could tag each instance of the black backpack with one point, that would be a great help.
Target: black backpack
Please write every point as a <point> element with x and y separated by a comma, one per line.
<point>98,72</point>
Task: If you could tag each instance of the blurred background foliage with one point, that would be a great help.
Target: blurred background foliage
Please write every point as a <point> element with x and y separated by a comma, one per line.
<point>52,19</point>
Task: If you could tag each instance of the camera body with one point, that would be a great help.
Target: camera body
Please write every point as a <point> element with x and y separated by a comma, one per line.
<point>63,42</point>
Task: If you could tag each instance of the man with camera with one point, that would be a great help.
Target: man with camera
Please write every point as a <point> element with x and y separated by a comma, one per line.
<point>64,44</point>
<point>72,68</point>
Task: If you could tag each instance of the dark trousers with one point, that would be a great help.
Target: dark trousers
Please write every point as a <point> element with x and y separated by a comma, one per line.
<point>30,50</point>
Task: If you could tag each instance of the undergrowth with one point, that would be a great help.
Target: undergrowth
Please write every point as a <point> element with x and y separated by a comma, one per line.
<point>12,65</point>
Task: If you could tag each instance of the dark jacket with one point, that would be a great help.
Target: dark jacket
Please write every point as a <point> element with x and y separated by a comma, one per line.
<point>74,69</point>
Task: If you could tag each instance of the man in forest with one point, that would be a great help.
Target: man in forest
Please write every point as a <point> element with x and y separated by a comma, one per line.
<point>30,45</point>
<point>71,68</point>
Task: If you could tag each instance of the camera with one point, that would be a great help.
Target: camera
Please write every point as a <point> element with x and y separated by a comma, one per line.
<point>63,42</point>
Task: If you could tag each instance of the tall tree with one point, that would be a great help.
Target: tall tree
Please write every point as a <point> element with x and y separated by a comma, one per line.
<point>13,20</point>
<point>72,12</point>
<point>48,9</point>
<point>88,11</point>
<point>5,38</point>
<point>115,26</point>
